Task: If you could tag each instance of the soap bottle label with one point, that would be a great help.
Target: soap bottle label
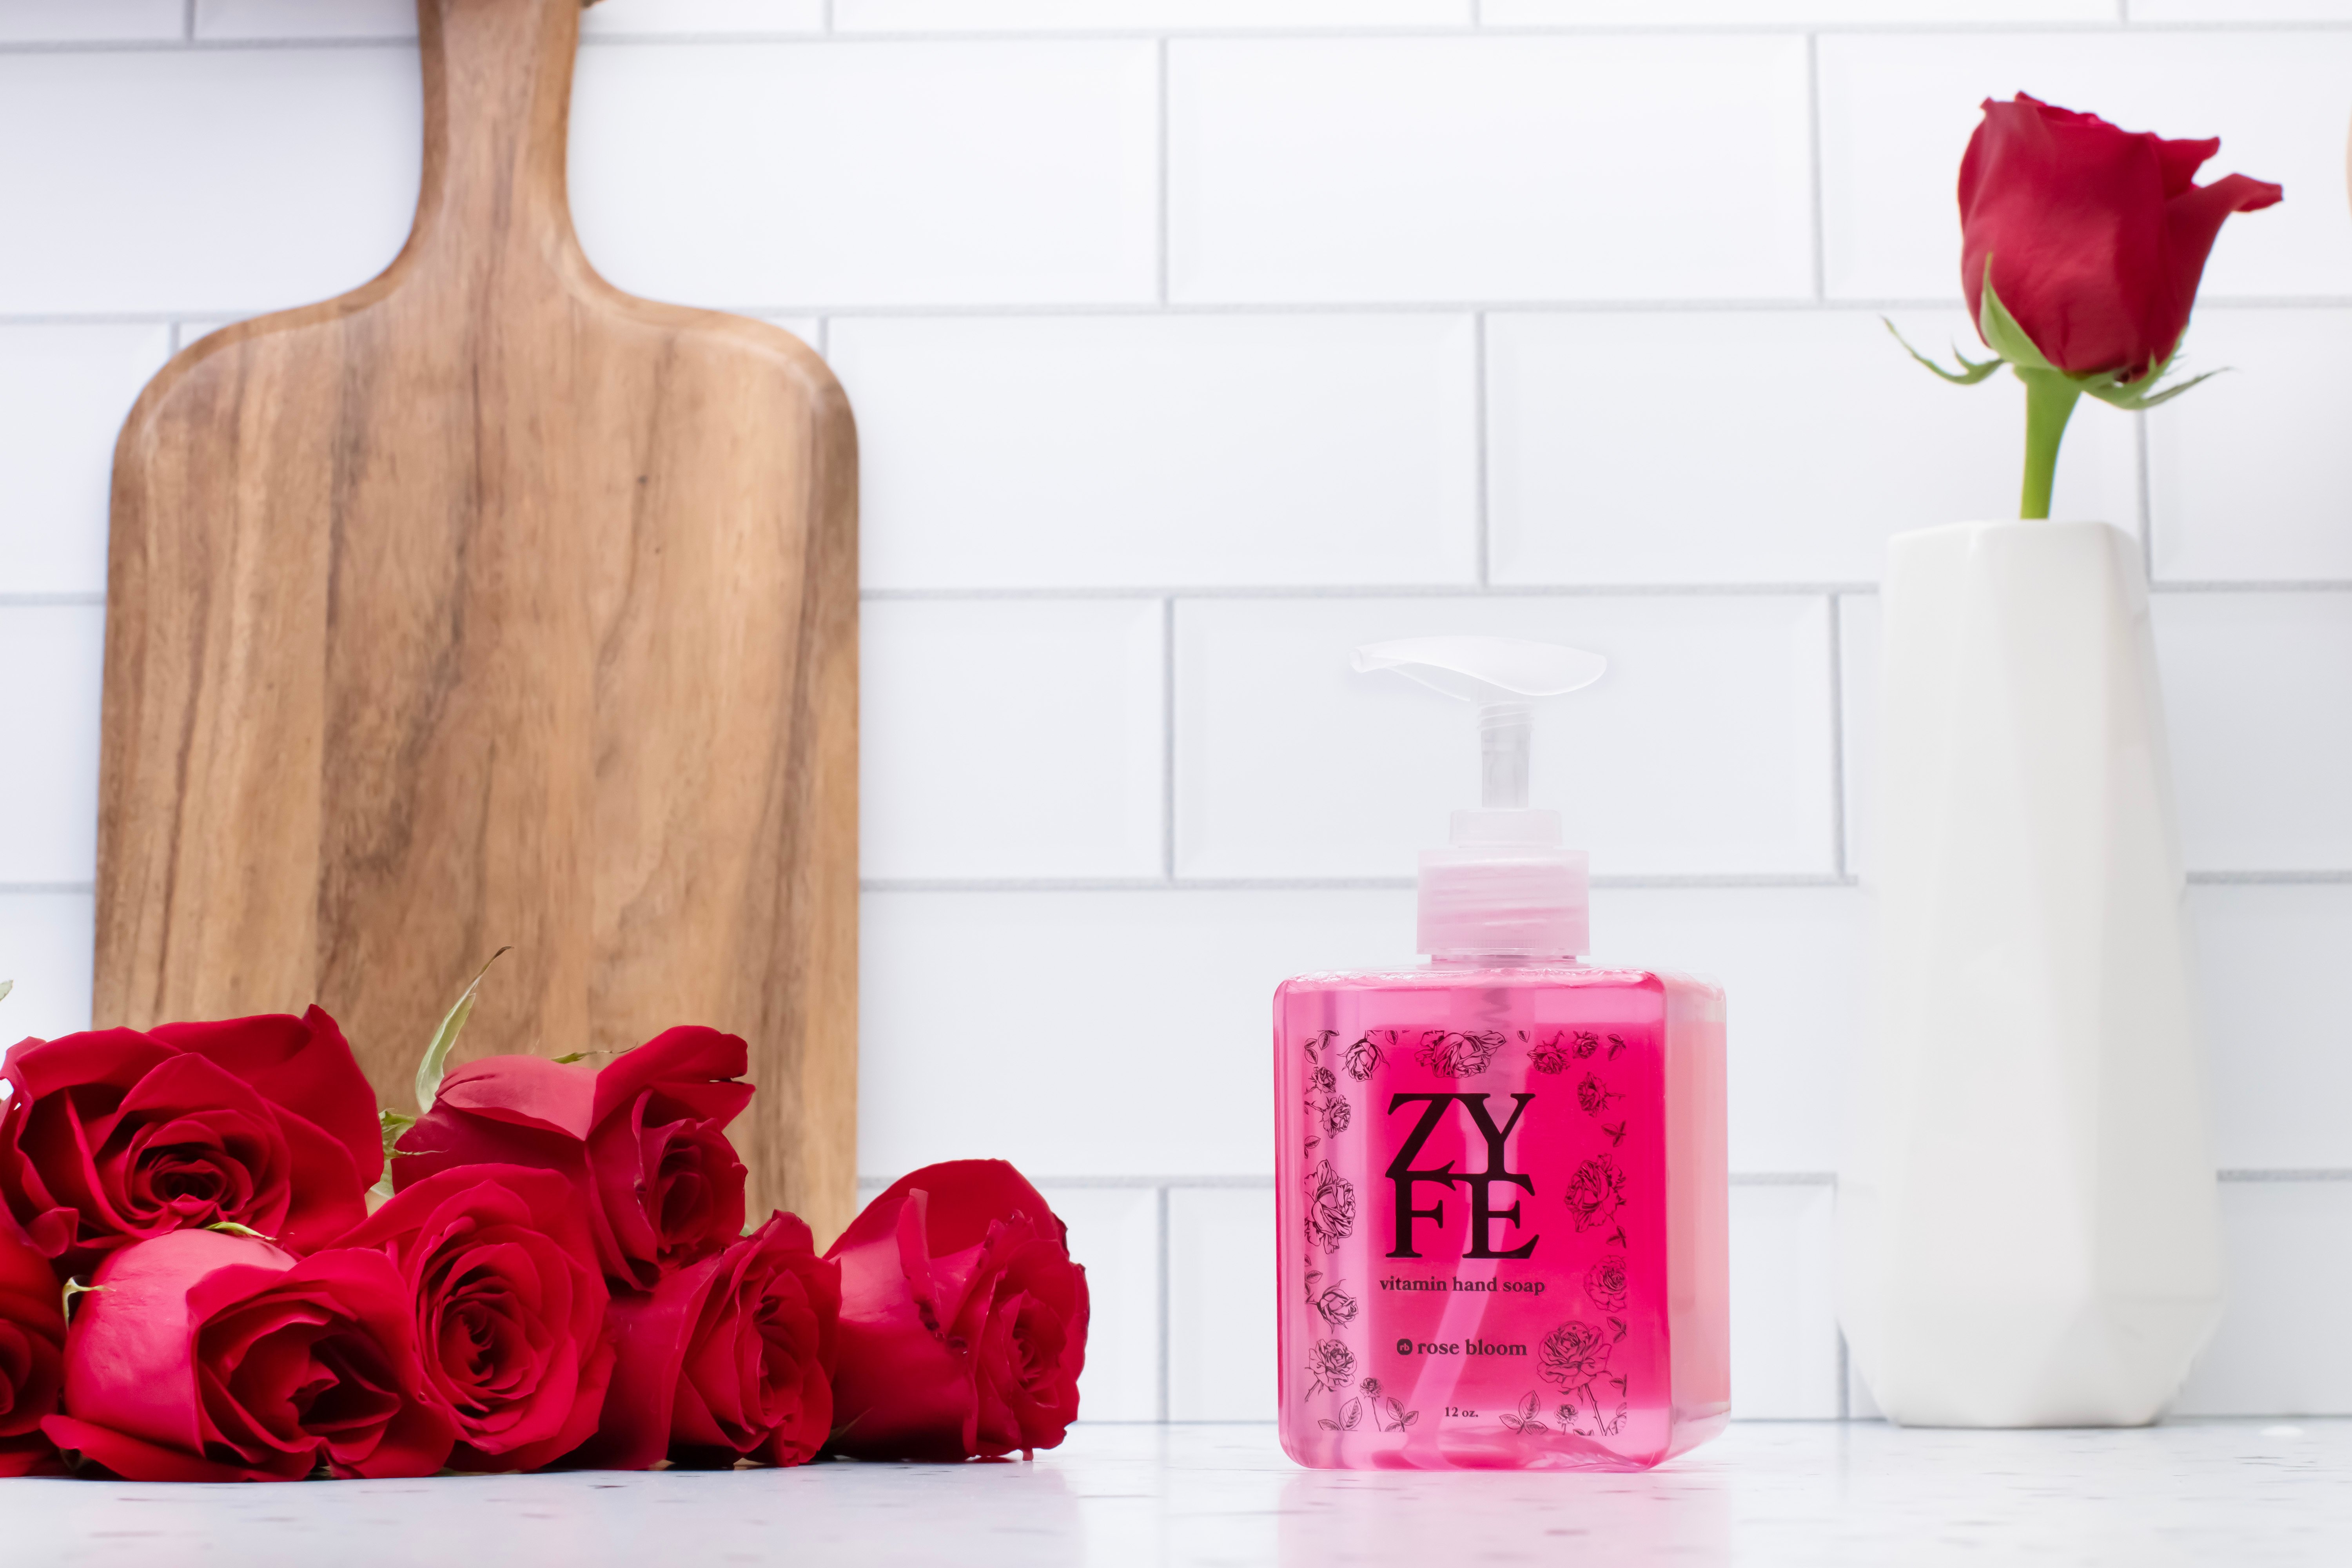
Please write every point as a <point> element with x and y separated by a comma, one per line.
<point>1475,1256</point>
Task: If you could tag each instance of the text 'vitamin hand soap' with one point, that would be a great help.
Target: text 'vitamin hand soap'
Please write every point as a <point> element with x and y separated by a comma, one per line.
<point>1500,1181</point>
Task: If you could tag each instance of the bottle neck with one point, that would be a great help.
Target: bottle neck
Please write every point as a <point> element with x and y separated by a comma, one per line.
<point>1504,961</point>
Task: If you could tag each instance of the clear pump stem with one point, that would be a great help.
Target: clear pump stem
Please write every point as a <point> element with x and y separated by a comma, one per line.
<point>1506,730</point>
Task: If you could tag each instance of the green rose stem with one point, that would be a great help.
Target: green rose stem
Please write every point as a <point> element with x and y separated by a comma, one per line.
<point>2049,398</point>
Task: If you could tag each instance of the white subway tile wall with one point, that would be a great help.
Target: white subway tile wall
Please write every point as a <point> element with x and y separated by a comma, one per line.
<point>1193,343</point>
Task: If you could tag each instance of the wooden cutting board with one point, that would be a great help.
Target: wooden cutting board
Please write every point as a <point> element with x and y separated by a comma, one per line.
<point>488,605</point>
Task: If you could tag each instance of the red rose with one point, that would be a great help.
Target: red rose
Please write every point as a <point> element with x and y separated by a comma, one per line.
<point>731,1356</point>
<point>646,1138</point>
<point>111,1137</point>
<point>32,1339</point>
<point>510,1309</point>
<point>2096,238</point>
<point>963,1322</point>
<point>208,1357</point>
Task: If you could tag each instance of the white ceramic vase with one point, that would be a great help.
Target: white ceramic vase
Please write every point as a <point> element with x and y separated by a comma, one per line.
<point>2027,1212</point>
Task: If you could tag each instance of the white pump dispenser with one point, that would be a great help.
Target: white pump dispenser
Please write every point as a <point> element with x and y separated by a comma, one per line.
<point>1505,887</point>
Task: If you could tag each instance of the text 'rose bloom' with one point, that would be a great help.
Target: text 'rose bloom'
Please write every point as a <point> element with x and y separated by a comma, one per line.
<point>32,1342</point>
<point>645,1137</point>
<point>2096,236</point>
<point>963,1322</point>
<point>114,1136</point>
<point>510,1309</point>
<point>728,1358</point>
<point>203,1356</point>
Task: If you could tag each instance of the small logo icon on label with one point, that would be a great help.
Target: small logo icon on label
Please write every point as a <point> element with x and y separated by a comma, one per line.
<point>1404,1347</point>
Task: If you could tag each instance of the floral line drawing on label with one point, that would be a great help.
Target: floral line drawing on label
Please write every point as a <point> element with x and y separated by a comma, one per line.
<point>1333,1114</point>
<point>1523,1419</point>
<point>1359,1059</point>
<point>1388,1415</point>
<point>1330,1206</point>
<point>1548,1055</point>
<point>1330,1365</point>
<point>1607,1284</point>
<point>1593,1096</point>
<point>1450,1053</point>
<point>1594,1192</point>
<point>1332,1303</point>
<point>1349,1415</point>
<point>1576,1357</point>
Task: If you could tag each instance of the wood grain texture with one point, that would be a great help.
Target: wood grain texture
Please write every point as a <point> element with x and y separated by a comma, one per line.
<point>488,605</point>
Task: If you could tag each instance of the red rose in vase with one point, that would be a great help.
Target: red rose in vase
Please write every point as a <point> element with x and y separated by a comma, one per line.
<point>116,1136</point>
<point>207,1357</point>
<point>729,1357</point>
<point>963,1319</point>
<point>32,1352</point>
<point>2095,238</point>
<point>644,1139</point>
<point>2081,249</point>
<point>509,1307</point>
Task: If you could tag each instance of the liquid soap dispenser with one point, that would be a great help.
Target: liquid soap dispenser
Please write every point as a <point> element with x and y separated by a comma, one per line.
<point>1500,1176</point>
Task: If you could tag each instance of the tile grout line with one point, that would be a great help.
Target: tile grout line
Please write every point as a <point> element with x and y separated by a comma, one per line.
<point>1018,311</point>
<point>188,20</point>
<point>1165,1183</point>
<point>1813,159</point>
<point>1277,592</point>
<point>1837,734</point>
<point>1166,1329</point>
<point>2146,501</point>
<point>1168,741</point>
<point>1696,881</point>
<point>1280,591</point>
<point>831,36</point>
<point>1845,1380</point>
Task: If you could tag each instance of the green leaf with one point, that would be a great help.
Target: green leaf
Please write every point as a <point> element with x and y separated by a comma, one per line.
<point>435,1064</point>
<point>6,986</point>
<point>2001,333</point>
<point>1970,373</point>
<point>2135,395</point>
<point>76,1288</point>
<point>394,1124</point>
<point>231,1228</point>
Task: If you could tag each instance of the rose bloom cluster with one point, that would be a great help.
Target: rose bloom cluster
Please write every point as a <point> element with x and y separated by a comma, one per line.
<point>193,1286</point>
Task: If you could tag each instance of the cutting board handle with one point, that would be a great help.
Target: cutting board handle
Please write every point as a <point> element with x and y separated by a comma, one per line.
<point>498,105</point>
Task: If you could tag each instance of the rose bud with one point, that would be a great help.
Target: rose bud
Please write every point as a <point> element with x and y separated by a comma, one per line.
<point>32,1339</point>
<point>2096,236</point>
<point>510,1309</point>
<point>114,1136</point>
<point>646,1138</point>
<point>729,1357</point>
<point>202,1356</point>
<point>963,1322</point>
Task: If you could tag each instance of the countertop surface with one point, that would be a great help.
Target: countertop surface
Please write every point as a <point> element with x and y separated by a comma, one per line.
<point>2238,1493</point>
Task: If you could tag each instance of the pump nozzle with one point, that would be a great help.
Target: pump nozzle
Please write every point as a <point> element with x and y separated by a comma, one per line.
<point>1494,673</point>
<point>1505,886</point>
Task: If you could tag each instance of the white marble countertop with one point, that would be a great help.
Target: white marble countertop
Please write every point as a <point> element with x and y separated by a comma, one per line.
<point>2235,1493</point>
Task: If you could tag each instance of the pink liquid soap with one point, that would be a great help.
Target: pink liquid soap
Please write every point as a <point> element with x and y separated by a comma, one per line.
<point>1500,1180</point>
<point>1501,1197</point>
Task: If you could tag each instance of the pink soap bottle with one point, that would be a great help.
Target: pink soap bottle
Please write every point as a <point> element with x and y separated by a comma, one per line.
<point>1500,1176</point>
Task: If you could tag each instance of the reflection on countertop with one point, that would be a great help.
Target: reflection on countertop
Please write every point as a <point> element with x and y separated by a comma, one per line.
<point>2239,1492</point>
